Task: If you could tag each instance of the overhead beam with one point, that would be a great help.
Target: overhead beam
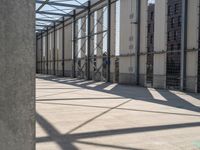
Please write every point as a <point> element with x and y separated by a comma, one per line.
<point>40,25</point>
<point>52,13</point>
<point>60,4</point>
<point>45,20</point>
<point>44,2</point>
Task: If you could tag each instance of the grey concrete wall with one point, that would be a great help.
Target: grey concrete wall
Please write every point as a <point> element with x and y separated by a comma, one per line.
<point>17,75</point>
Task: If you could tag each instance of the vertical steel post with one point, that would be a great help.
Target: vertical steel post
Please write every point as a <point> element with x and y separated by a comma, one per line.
<point>183,44</point>
<point>74,44</point>
<point>63,47</point>
<point>41,52</point>
<point>36,56</point>
<point>137,51</point>
<point>47,52</point>
<point>88,41</point>
<point>108,39</point>
<point>54,49</point>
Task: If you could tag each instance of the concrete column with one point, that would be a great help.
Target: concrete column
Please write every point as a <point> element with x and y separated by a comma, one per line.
<point>160,46</point>
<point>143,43</point>
<point>68,50</point>
<point>192,45</point>
<point>99,45</point>
<point>17,75</point>
<point>127,42</point>
<point>112,42</point>
<point>83,47</point>
<point>50,52</point>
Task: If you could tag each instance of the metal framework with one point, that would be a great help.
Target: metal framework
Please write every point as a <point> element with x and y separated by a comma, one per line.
<point>50,14</point>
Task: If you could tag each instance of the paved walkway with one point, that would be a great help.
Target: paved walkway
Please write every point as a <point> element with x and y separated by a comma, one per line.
<point>75,114</point>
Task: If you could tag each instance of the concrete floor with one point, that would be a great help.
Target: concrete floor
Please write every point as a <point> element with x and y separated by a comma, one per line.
<point>74,114</point>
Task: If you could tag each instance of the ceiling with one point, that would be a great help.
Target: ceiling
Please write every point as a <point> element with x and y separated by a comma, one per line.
<point>49,12</point>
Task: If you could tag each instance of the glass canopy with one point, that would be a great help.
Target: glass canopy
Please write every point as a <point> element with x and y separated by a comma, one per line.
<point>49,12</point>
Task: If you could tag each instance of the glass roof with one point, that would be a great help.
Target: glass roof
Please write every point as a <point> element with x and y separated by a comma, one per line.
<point>50,11</point>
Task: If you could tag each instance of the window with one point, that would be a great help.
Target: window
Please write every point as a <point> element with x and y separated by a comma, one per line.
<point>172,47</point>
<point>179,21</point>
<point>169,10</point>
<point>151,39</point>
<point>149,28</point>
<point>176,8</point>
<point>168,36</point>
<point>152,15</point>
<point>175,35</point>
<point>178,46</point>
<point>172,22</point>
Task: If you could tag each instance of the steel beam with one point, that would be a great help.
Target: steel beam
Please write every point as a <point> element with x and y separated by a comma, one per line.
<point>41,53</point>
<point>108,39</point>
<point>88,41</point>
<point>53,13</point>
<point>183,43</point>
<point>74,44</point>
<point>41,25</point>
<point>47,52</point>
<point>137,51</point>
<point>54,49</point>
<point>45,20</point>
<point>63,47</point>
<point>36,54</point>
<point>61,4</point>
<point>44,2</point>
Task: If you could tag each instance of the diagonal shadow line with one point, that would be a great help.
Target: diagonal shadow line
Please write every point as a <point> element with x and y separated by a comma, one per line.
<point>99,115</point>
<point>108,145</point>
<point>134,130</point>
<point>96,134</point>
<point>56,88</point>
<point>54,134</point>
<point>140,97</point>
<point>87,98</point>
<point>57,94</point>
<point>126,109</point>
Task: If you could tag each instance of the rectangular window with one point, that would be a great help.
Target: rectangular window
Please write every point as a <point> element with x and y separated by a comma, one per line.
<point>179,21</point>
<point>152,15</point>
<point>172,22</point>
<point>169,10</point>
<point>176,8</point>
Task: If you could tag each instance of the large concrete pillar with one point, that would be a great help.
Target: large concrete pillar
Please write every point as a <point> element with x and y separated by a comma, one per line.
<point>112,42</point>
<point>192,45</point>
<point>17,75</point>
<point>143,42</point>
<point>127,42</point>
<point>68,49</point>
<point>160,42</point>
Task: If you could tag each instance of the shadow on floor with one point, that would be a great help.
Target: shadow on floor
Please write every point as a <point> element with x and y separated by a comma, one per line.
<point>67,141</point>
<point>129,92</point>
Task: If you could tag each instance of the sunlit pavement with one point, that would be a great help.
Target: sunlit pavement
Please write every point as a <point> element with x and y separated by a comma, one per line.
<point>74,114</point>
